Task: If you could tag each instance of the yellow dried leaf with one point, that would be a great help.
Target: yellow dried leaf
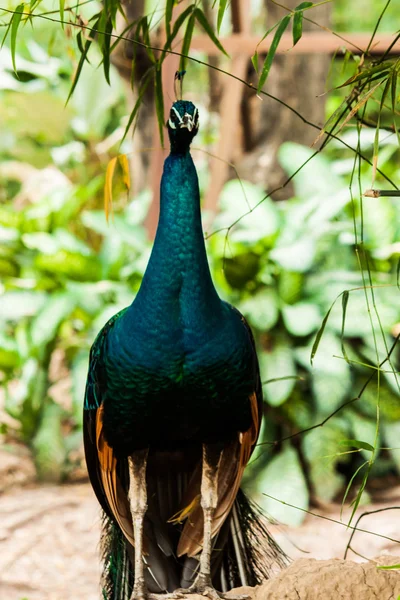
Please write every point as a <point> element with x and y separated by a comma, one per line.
<point>108,187</point>
<point>126,178</point>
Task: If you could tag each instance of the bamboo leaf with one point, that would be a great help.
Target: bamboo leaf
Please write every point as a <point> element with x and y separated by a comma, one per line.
<point>298,21</point>
<point>124,164</point>
<point>394,102</point>
<point>357,444</point>
<point>82,59</point>
<point>105,27</point>
<point>177,25</point>
<point>6,33</point>
<point>142,89</point>
<point>254,60</point>
<point>201,18</point>
<point>350,484</point>
<point>389,567</point>
<point>168,16</point>
<point>380,70</point>
<point>271,52</point>
<point>356,502</point>
<point>186,42</point>
<point>221,12</point>
<point>144,26</point>
<point>345,299</point>
<point>108,209</point>
<point>376,139</point>
<point>62,4</point>
<point>159,102</point>
<point>15,21</point>
<point>319,335</point>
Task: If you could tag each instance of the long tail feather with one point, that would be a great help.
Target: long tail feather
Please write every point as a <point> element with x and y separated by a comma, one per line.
<point>117,576</point>
<point>244,554</point>
<point>263,555</point>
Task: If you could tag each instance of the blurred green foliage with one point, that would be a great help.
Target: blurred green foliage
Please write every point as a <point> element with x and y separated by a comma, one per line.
<point>64,272</point>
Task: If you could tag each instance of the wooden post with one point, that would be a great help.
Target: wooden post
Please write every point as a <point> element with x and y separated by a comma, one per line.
<point>229,136</point>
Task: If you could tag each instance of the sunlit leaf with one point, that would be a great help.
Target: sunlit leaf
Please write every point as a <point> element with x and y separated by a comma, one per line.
<point>62,5</point>
<point>271,52</point>
<point>221,11</point>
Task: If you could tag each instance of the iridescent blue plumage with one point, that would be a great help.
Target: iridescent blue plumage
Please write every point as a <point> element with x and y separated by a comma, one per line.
<point>173,372</point>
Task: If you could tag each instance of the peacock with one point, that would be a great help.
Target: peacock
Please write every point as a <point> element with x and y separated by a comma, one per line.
<point>172,413</point>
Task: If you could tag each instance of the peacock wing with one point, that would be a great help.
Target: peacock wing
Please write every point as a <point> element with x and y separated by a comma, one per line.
<point>106,472</point>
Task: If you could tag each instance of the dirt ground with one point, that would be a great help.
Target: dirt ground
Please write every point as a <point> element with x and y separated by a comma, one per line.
<point>49,540</point>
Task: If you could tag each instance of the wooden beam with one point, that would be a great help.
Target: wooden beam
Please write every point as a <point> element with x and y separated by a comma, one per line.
<point>310,43</point>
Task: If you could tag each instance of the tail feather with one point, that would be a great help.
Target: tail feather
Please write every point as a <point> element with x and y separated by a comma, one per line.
<point>244,554</point>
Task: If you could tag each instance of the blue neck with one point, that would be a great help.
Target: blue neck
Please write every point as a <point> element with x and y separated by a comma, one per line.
<point>177,282</point>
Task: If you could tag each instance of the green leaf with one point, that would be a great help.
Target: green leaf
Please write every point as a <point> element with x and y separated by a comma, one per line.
<point>330,387</point>
<point>391,434</point>
<point>48,445</point>
<point>221,11</point>
<point>82,59</point>
<point>169,6</point>
<point>278,364</point>
<point>177,25</point>
<point>17,304</point>
<point>254,60</point>
<point>364,429</point>
<point>159,102</point>
<point>16,19</point>
<point>357,444</point>
<point>202,20</point>
<point>261,309</point>
<point>301,319</point>
<point>387,568</point>
<point>271,52</point>
<point>143,86</point>
<point>298,21</point>
<point>186,41</point>
<point>105,43</point>
<point>345,299</point>
<point>321,447</point>
<point>62,4</point>
<point>45,325</point>
<point>319,335</point>
<point>283,479</point>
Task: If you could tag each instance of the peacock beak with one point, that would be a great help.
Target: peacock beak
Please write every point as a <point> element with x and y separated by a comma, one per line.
<point>187,122</point>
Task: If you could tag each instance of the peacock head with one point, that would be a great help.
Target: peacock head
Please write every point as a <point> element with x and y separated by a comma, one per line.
<point>183,124</point>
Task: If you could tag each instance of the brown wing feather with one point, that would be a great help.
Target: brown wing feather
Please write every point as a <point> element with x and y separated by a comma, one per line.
<point>233,462</point>
<point>116,496</point>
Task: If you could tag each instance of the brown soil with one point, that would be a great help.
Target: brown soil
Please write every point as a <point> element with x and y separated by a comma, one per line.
<point>49,541</point>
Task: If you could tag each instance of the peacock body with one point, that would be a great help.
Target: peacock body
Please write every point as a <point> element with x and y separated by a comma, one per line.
<point>173,389</point>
